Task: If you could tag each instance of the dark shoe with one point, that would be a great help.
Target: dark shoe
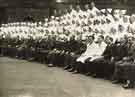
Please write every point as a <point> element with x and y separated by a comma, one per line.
<point>66,67</point>
<point>22,58</point>
<point>30,59</point>
<point>128,86</point>
<point>94,75</point>
<point>115,81</point>
<point>71,70</point>
<point>88,74</point>
<point>75,72</point>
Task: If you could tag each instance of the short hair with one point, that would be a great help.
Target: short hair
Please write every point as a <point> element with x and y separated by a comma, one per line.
<point>101,36</point>
<point>110,38</point>
<point>91,36</point>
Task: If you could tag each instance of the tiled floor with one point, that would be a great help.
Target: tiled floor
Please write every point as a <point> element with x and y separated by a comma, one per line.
<point>20,78</point>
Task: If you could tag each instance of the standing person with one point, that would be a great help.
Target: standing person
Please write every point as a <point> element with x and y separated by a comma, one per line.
<point>94,9</point>
<point>72,11</point>
<point>131,27</point>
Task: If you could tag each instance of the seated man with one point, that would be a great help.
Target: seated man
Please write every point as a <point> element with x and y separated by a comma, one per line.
<point>125,68</point>
<point>96,63</point>
<point>94,51</point>
<point>12,47</point>
<point>29,50</point>
<point>39,44</point>
<point>120,51</point>
<point>52,50</point>
<point>75,51</point>
<point>103,65</point>
<point>22,49</point>
<point>88,52</point>
<point>19,42</point>
<point>5,44</point>
<point>42,49</point>
<point>56,56</point>
<point>79,65</point>
<point>51,57</point>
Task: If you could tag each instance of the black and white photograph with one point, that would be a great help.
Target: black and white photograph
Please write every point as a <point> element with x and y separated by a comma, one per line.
<point>67,48</point>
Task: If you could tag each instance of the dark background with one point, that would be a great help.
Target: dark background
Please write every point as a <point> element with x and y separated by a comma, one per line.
<point>16,10</point>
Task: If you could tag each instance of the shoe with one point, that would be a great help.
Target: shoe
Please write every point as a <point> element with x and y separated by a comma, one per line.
<point>71,70</point>
<point>115,81</point>
<point>88,74</point>
<point>128,86</point>
<point>50,65</point>
<point>75,72</point>
<point>118,81</point>
<point>94,75</point>
<point>30,59</point>
<point>66,67</point>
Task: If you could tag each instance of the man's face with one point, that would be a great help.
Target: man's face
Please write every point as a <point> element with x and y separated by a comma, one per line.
<point>125,19</point>
<point>79,38</point>
<point>72,38</point>
<point>113,31</point>
<point>100,39</point>
<point>65,11</point>
<point>130,39</point>
<point>121,28</point>
<point>90,39</point>
<point>86,7</point>
<point>108,40</point>
<point>78,8</point>
<point>122,40</point>
<point>70,7</point>
<point>92,4</point>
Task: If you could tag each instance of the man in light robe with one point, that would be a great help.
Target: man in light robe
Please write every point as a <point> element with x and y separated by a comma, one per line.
<point>94,51</point>
<point>94,9</point>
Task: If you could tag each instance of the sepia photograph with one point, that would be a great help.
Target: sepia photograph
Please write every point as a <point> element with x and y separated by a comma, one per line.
<point>67,48</point>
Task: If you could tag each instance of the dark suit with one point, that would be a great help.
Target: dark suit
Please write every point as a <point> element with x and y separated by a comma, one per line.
<point>121,65</point>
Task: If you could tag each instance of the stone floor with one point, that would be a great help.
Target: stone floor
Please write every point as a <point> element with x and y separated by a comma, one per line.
<point>20,78</point>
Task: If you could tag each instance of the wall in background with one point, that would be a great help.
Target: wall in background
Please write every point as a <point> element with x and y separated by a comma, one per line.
<point>16,10</point>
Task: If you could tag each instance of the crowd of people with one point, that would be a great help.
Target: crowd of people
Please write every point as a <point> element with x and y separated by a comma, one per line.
<point>100,43</point>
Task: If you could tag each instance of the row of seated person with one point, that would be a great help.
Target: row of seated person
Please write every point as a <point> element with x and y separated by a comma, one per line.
<point>116,61</point>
